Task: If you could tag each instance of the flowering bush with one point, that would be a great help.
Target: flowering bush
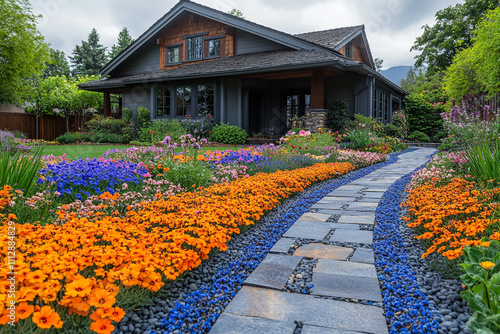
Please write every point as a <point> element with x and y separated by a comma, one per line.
<point>358,158</point>
<point>442,168</point>
<point>9,142</point>
<point>306,142</point>
<point>92,265</point>
<point>82,178</point>
<point>453,215</point>
<point>468,124</point>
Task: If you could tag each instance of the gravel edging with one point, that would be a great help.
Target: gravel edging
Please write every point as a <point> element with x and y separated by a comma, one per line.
<point>416,299</point>
<point>193,304</point>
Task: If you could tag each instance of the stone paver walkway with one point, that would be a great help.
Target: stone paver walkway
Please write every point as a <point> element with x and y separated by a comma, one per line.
<point>342,271</point>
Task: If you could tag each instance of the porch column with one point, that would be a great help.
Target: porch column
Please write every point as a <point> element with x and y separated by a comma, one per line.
<point>107,104</point>
<point>318,90</point>
<point>316,117</point>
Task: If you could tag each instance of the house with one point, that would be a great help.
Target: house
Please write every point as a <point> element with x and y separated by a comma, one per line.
<point>197,62</point>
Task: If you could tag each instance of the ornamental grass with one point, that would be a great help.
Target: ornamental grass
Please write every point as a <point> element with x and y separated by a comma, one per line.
<point>83,273</point>
<point>453,215</point>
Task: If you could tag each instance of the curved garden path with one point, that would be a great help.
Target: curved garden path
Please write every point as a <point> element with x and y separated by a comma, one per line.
<point>337,236</point>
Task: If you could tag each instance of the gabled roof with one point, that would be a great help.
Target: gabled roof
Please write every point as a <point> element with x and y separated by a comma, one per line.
<point>216,15</point>
<point>332,39</point>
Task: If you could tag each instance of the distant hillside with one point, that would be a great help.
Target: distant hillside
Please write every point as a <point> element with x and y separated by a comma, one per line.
<point>396,73</point>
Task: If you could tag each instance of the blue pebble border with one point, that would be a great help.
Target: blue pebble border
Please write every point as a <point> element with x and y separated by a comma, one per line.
<point>407,309</point>
<point>399,289</point>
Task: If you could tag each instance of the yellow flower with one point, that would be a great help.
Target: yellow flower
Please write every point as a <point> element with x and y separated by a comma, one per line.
<point>487,265</point>
<point>485,243</point>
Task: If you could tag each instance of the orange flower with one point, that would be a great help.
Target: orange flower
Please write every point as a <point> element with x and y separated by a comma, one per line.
<point>102,326</point>
<point>78,288</point>
<point>101,298</point>
<point>47,318</point>
<point>24,310</point>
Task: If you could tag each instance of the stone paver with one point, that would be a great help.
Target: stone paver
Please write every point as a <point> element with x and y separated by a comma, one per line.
<point>290,307</point>
<point>323,330</point>
<point>322,251</point>
<point>346,287</point>
<point>260,306</point>
<point>315,217</point>
<point>364,220</point>
<point>308,230</point>
<point>274,271</point>
<point>235,324</point>
<point>363,206</point>
<point>282,246</point>
<point>363,255</point>
<point>363,237</point>
<point>332,267</point>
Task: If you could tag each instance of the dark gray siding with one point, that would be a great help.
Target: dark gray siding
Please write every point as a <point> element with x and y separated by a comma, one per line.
<point>233,102</point>
<point>249,43</point>
<point>138,96</point>
<point>145,60</point>
<point>343,88</point>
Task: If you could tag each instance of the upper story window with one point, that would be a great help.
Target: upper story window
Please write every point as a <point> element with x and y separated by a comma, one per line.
<point>173,54</point>
<point>194,48</point>
<point>348,50</point>
<point>213,48</point>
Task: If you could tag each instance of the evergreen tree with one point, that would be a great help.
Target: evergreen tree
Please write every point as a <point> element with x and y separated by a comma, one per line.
<point>124,40</point>
<point>89,57</point>
<point>379,63</point>
<point>58,65</point>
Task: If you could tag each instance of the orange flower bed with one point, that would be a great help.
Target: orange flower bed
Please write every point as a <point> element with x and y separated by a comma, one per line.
<point>452,215</point>
<point>79,267</point>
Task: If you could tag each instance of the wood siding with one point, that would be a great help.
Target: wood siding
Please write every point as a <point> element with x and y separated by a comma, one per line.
<point>144,61</point>
<point>249,43</point>
<point>356,52</point>
<point>191,25</point>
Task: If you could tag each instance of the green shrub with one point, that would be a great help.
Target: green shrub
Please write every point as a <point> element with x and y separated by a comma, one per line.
<point>337,119</point>
<point>127,115</point>
<point>20,170</point>
<point>73,138</point>
<point>391,130</point>
<point>422,116</point>
<point>143,118</point>
<point>228,134</point>
<point>418,137</point>
<point>159,129</point>
<point>111,138</point>
<point>483,160</point>
<point>439,136</point>
<point>360,139</point>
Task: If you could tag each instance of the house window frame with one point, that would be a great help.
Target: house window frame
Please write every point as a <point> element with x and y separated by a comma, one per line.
<point>207,48</point>
<point>197,98</point>
<point>201,44</point>
<point>168,50</point>
<point>157,107</point>
<point>302,105</point>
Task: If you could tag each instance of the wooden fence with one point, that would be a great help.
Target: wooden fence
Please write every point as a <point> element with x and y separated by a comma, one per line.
<point>44,127</point>
<point>494,102</point>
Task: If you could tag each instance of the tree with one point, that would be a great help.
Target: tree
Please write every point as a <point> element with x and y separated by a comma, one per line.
<point>408,82</point>
<point>237,13</point>
<point>23,51</point>
<point>89,57</point>
<point>124,40</point>
<point>451,33</point>
<point>379,64</point>
<point>57,66</point>
<point>476,70</point>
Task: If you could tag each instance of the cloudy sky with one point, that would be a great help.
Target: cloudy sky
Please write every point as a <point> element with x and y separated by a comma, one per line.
<point>391,25</point>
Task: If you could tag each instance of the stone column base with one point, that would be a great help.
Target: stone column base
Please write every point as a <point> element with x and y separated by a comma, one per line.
<point>316,119</point>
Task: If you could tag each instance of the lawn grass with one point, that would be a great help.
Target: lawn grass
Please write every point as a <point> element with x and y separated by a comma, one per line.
<point>73,152</point>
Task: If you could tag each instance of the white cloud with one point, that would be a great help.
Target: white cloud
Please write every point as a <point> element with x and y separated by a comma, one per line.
<point>391,25</point>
